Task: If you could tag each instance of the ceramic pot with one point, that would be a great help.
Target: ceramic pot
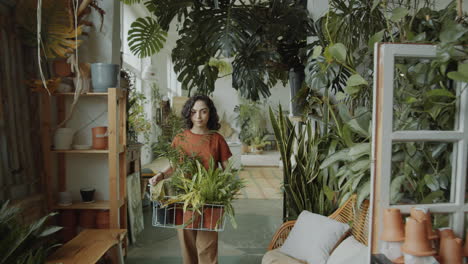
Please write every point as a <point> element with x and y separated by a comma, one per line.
<point>88,218</point>
<point>393,227</point>
<point>100,138</point>
<point>416,241</point>
<point>63,138</point>
<point>192,219</point>
<point>87,194</point>
<point>104,76</point>
<point>424,214</point>
<point>102,219</point>
<point>62,68</point>
<point>211,217</point>
<point>451,250</point>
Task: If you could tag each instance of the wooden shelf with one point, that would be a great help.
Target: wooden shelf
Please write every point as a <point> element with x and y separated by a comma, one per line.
<point>89,151</point>
<point>85,94</point>
<point>98,205</point>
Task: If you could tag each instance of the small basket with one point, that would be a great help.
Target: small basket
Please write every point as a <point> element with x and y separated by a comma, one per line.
<point>173,216</point>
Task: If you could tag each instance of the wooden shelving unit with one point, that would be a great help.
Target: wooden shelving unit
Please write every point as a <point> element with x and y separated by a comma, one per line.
<point>116,152</point>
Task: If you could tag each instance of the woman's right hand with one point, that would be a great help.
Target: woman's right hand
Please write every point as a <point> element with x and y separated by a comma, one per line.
<point>156,178</point>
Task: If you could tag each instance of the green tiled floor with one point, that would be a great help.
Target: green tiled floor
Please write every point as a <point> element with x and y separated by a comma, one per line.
<point>257,221</point>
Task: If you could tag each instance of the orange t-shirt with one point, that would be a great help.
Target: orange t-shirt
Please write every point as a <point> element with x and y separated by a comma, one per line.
<point>203,146</point>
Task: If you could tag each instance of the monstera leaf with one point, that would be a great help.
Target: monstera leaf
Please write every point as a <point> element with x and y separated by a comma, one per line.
<point>146,37</point>
<point>57,31</point>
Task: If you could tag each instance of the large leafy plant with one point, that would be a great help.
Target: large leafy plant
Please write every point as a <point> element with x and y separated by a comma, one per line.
<point>23,243</point>
<point>251,121</point>
<point>265,39</point>
<point>218,186</point>
<point>338,74</point>
<point>306,187</point>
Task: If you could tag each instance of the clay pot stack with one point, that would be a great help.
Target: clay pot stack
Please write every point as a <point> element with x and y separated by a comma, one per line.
<point>393,234</point>
<point>418,238</point>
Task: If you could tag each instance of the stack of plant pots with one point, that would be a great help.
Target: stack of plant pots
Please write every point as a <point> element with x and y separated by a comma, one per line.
<point>393,235</point>
<point>419,242</point>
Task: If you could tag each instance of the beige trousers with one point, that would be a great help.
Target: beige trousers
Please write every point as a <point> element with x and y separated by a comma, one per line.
<point>198,247</point>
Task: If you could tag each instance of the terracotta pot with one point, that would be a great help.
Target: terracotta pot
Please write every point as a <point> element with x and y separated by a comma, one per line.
<point>62,68</point>
<point>211,216</point>
<point>191,219</point>
<point>67,218</point>
<point>451,250</point>
<point>446,233</point>
<point>424,214</point>
<point>416,241</point>
<point>100,138</point>
<point>102,219</point>
<point>88,218</point>
<point>393,227</point>
<point>179,216</point>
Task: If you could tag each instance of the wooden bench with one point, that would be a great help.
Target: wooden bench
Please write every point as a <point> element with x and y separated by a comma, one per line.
<point>89,246</point>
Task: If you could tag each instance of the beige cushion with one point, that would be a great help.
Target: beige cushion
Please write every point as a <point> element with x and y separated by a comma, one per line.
<point>276,257</point>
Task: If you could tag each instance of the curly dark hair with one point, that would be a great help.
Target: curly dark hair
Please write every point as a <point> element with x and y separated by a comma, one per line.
<point>213,121</point>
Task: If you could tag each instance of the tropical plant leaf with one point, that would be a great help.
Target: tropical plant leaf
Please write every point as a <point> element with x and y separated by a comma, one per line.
<point>338,52</point>
<point>146,37</point>
<point>57,30</point>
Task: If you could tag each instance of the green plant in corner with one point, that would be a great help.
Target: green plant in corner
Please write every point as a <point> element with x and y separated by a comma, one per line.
<point>23,244</point>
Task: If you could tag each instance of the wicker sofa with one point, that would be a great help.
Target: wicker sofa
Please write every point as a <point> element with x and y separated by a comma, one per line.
<point>347,213</point>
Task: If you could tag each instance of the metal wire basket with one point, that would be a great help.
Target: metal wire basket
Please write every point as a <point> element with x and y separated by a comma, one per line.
<point>173,216</point>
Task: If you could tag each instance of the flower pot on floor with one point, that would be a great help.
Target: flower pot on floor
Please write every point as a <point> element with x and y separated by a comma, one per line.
<point>212,216</point>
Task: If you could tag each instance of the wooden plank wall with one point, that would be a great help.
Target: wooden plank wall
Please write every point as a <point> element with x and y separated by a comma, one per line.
<point>20,163</point>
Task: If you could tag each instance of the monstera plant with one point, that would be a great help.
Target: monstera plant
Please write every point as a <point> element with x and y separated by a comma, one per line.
<point>263,39</point>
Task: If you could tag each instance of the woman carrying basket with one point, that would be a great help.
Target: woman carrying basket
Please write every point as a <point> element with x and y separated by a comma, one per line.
<point>200,138</point>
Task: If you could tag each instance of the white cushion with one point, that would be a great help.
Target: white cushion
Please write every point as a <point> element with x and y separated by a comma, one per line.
<point>313,237</point>
<point>349,251</point>
<point>276,257</point>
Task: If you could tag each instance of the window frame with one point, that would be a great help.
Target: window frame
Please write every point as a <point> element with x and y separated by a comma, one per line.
<point>384,136</point>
